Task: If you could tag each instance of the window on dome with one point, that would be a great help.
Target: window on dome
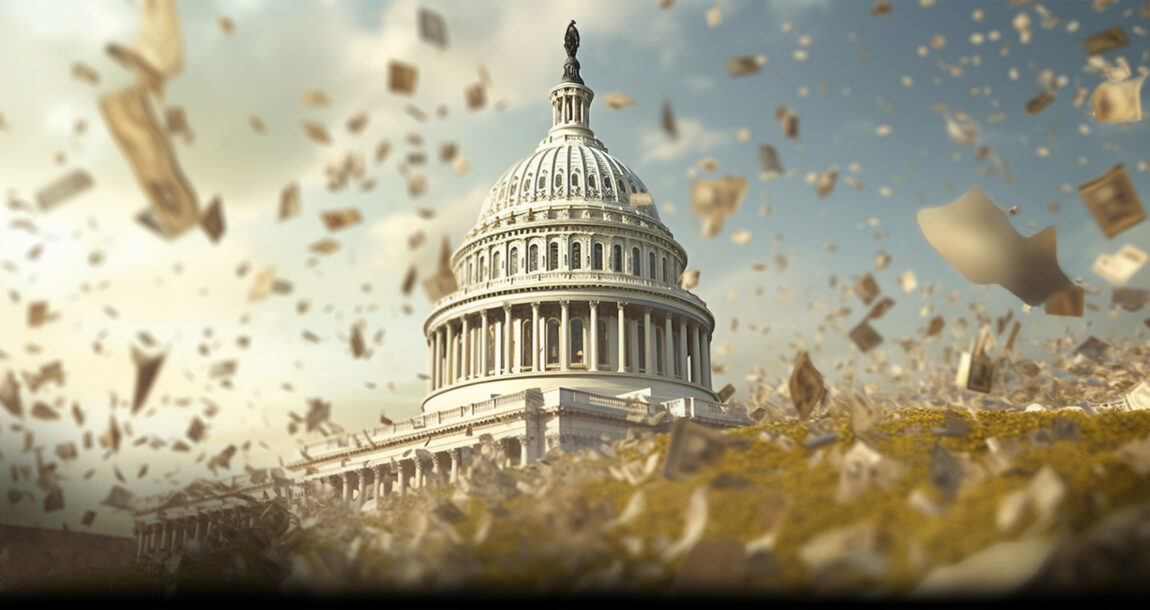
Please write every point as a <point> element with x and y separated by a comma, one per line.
<point>496,269</point>
<point>527,183</point>
<point>635,262</point>
<point>491,348</point>
<point>558,179</point>
<point>552,341</point>
<point>651,265</point>
<point>597,257</point>
<point>542,182</point>
<point>617,259</point>
<point>470,271</point>
<point>591,181</point>
<point>525,348</point>
<point>533,258</point>
<point>513,261</point>
<point>576,255</point>
<point>665,269</point>
<point>604,344</point>
<point>575,179</point>
<point>576,341</point>
<point>482,269</point>
<point>553,256</point>
<point>660,351</point>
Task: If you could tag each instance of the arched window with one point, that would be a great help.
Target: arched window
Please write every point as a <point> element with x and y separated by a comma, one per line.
<point>641,342</point>
<point>513,261</point>
<point>636,262</point>
<point>527,342</point>
<point>576,255</point>
<point>675,340</point>
<point>665,270</point>
<point>496,269</point>
<point>597,257</point>
<point>542,182</point>
<point>651,264</point>
<point>533,258</point>
<point>552,341</point>
<point>482,269</point>
<point>575,179</point>
<point>591,181</point>
<point>470,271</point>
<point>577,341</point>
<point>617,259</point>
<point>527,183</point>
<point>491,348</point>
<point>558,178</point>
<point>604,344</point>
<point>553,256</point>
<point>660,350</point>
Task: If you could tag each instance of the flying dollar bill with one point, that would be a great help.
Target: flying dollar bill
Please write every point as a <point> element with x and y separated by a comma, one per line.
<point>1120,267</point>
<point>146,146</point>
<point>692,448</point>
<point>1119,102</point>
<point>71,184</point>
<point>1113,202</point>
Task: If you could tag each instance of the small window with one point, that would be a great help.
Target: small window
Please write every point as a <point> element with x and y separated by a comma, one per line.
<point>651,265</point>
<point>552,341</point>
<point>542,182</point>
<point>617,259</point>
<point>513,261</point>
<point>591,181</point>
<point>527,342</point>
<point>597,257</point>
<point>527,183</point>
<point>482,269</point>
<point>576,341</point>
<point>574,179</point>
<point>665,270</point>
<point>576,255</point>
<point>553,256</point>
<point>558,179</point>
<point>636,263</point>
<point>495,266</point>
<point>533,258</point>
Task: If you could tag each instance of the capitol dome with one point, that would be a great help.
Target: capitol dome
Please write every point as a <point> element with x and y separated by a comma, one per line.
<point>568,279</point>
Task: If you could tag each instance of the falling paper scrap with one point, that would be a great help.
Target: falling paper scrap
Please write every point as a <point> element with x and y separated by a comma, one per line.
<point>476,96</point>
<point>1037,103</point>
<point>715,200</point>
<point>289,201</point>
<point>825,182</point>
<point>865,336</point>
<point>1119,268</point>
<point>1119,102</point>
<point>688,279</point>
<point>71,184</point>
<point>262,285</point>
<point>432,28</point>
<point>638,199</point>
<point>177,123</point>
<point>316,132</point>
<point>617,101</point>
<point>314,98</point>
<point>1113,202</point>
<point>335,220</point>
<point>692,448</point>
<point>146,146</point>
<point>977,239</point>
<point>1130,299</point>
<point>120,498</point>
<point>10,395</point>
<point>1106,41</point>
<point>976,369</point>
<point>669,121</point>
<point>147,368</point>
<point>742,66</point>
<point>769,160</point>
<point>212,221</point>
<point>866,288</point>
<point>789,121</point>
<point>159,42</point>
<point>443,282</point>
<point>806,386</point>
<point>401,77</point>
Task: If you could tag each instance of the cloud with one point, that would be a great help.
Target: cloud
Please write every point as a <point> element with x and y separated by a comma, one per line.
<point>693,137</point>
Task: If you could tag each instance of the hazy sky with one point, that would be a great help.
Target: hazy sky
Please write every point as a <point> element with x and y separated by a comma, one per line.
<point>859,73</point>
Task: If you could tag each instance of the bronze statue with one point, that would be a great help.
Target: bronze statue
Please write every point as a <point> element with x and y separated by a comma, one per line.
<point>571,39</point>
<point>571,66</point>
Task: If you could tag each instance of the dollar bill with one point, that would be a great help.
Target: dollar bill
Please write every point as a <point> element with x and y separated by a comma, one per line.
<point>147,368</point>
<point>866,288</point>
<point>1130,299</point>
<point>806,386</point>
<point>144,143</point>
<point>742,66</point>
<point>1119,102</point>
<point>401,77</point>
<point>475,96</point>
<point>880,309</point>
<point>688,279</point>
<point>443,282</point>
<point>769,160</point>
<point>617,101</point>
<point>1138,398</point>
<point>1067,302</point>
<point>1106,41</point>
<point>1037,103</point>
<point>788,121</point>
<point>289,201</point>
<point>717,198</point>
<point>212,221</point>
<point>825,182</point>
<point>668,121</point>
<point>1094,349</point>
<point>1112,201</point>
<point>10,395</point>
<point>693,447</point>
<point>160,43</point>
<point>64,188</point>
<point>432,28</point>
<point>262,284</point>
<point>726,393</point>
<point>865,336</point>
<point>1120,267</point>
<point>316,132</point>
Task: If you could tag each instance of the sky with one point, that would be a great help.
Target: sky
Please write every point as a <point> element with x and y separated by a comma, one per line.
<point>845,73</point>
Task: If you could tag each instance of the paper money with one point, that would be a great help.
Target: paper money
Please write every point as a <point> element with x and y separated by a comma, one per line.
<point>262,284</point>
<point>617,101</point>
<point>443,282</point>
<point>212,221</point>
<point>977,239</point>
<point>825,182</point>
<point>880,309</point>
<point>159,42</point>
<point>1119,268</point>
<point>119,498</point>
<point>726,393</point>
<point>335,220</point>
<point>806,386</point>
<point>769,161</point>
<point>289,201</point>
<point>85,73</point>
<point>314,98</point>
<point>177,123</point>
<point>408,281</point>
<point>742,66</point>
<point>688,279</point>
<point>828,548</point>
<point>401,77</point>
<point>432,28</point>
<point>146,146</point>
<point>1066,302</point>
<point>865,336</point>
<point>357,122</point>
<point>717,199</point>
<point>1119,102</point>
<point>1094,349</point>
<point>10,395</point>
<point>975,372</point>
<point>1037,103</point>
<point>668,121</point>
<point>64,188</point>
<point>1113,202</point>
<point>693,447</point>
<point>475,96</point>
<point>866,288</point>
<point>1130,299</point>
<point>1138,398</point>
<point>147,368</point>
<point>316,132</point>
<point>640,199</point>
<point>1106,41</point>
<point>788,121</point>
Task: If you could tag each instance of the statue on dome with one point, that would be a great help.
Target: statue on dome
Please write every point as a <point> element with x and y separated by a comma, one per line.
<point>571,66</point>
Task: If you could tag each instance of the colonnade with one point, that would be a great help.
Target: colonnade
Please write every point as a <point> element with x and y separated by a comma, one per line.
<point>566,335</point>
<point>170,535</point>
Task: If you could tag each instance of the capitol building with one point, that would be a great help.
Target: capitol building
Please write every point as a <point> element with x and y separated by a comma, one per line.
<point>567,328</point>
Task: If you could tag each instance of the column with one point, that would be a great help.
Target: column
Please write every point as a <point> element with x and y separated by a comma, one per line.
<point>465,340</point>
<point>508,357</point>
<point>435,359</point>
<point>498,364</point>
<point>564,335</point>
<point>400,478</point>
<point>454,476</point>
<point>695,355</point>
<point>668,348</point>
<point>594,351</point>
<point>483,344</point>
<point>418,483</point>
<point>705,349</point>
<point>648,341</point>
<point>347,489</point>
<point>535,336</point>
<point>683,349</point>
<point>522,450</point>
<point>451,369</point>
<point>362,486</point>
<point>622,338</point>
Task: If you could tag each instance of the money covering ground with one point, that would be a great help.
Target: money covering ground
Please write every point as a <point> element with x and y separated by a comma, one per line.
<point>607,521</point>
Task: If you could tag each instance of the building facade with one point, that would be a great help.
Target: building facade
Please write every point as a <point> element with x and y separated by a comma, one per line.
<point>568,327</point>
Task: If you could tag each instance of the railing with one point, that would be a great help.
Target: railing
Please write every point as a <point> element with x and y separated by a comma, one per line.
<point>555,277</point>
<point>705,409</point>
